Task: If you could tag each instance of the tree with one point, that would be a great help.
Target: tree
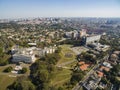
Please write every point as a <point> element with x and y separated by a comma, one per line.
<point>22,84</point>
<point>27,85</point>
<point>8,69</point>
<point>1,51</point>
<point>58,50</point>
<point>24,70</point>
<point>4,59</point>
<point>104,80</point>
<point>115,69</point>
<point>76,77</point>
<point>40,74</point>
<point>15,86</point>
<point>50,68</point>
<point>43,75</point>
<point>61,88</point>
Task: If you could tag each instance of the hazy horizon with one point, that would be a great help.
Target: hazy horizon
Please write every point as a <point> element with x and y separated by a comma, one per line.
<point>59,8</point>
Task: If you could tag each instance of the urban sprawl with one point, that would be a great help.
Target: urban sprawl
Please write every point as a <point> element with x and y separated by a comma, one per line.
<point>60,54</point>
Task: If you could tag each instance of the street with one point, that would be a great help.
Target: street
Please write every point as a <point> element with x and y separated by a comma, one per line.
<point>79,86</point>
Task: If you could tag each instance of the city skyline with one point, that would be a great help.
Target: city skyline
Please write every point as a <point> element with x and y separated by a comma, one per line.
<point>59,8</point>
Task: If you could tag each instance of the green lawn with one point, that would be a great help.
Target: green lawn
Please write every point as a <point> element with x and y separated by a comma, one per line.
<point>60,77</point>
<point>5,81</point>
<point>66,50</point>
<point>72,65</point>
<point>4,67</point>
<point>1,68</point>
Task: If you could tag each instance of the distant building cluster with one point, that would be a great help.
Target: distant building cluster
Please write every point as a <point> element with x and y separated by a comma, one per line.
<point>85,38</point>
<point>114,58</point>
<point>76,34</point>
<point>99,47</point>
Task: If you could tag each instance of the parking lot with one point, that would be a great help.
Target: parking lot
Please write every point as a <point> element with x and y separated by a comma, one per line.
<point>78,50</point>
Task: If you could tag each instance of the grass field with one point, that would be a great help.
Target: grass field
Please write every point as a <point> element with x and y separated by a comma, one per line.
<point>5,81</point>
<point>66,50</point>
<point>60,77</point>
<point>72,65</point>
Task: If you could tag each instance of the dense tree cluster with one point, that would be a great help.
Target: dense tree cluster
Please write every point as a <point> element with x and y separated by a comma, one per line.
<point>111,39</point>
<point>5,46</point>
<point>41,70</point>
<point>113,74</point>
<point>87,57</point>
<point>76,77</point>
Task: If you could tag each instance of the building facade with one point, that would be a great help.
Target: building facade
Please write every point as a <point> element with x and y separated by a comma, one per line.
<point>91,39</point>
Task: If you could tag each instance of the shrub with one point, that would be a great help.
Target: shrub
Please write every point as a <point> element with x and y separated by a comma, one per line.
<point>24,70</point>
<point>8,69</point>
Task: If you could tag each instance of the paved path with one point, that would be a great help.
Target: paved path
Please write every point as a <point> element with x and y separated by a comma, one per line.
<point>10,74</point>
<point>65,63</point>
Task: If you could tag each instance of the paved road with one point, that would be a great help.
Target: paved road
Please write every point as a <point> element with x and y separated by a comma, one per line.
<point>78,86</point>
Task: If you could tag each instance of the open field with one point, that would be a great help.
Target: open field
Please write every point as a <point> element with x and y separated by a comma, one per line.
<point>60,77</point>
<point>5,81</point>
<point>66,54</point>
<point>63,75</point>
<point>72,65</point>
<point>3,67</point>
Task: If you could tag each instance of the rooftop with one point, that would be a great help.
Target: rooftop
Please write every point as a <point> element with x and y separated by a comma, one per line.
<point>104,68</point>
<point>100,74</point>
<point>84,67</point>
<point>81,62</point>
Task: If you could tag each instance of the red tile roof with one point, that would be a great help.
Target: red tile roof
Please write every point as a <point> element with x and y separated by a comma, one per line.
<point>100,74</point>
<point>81,62</point>
<point>84,67</point>
<point>104,68</point>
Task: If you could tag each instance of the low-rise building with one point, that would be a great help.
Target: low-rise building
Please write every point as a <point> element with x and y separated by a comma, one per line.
<point>91,39</point>
<point>106,64</point>
<point>92,82</point>
<point>104,68</point>
<point>83,66</point>
<point>28,55</point>
<point>99,47</point>
<point>100,74</point>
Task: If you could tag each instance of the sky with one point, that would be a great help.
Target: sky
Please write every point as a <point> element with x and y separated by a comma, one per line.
<point>59,8</point>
